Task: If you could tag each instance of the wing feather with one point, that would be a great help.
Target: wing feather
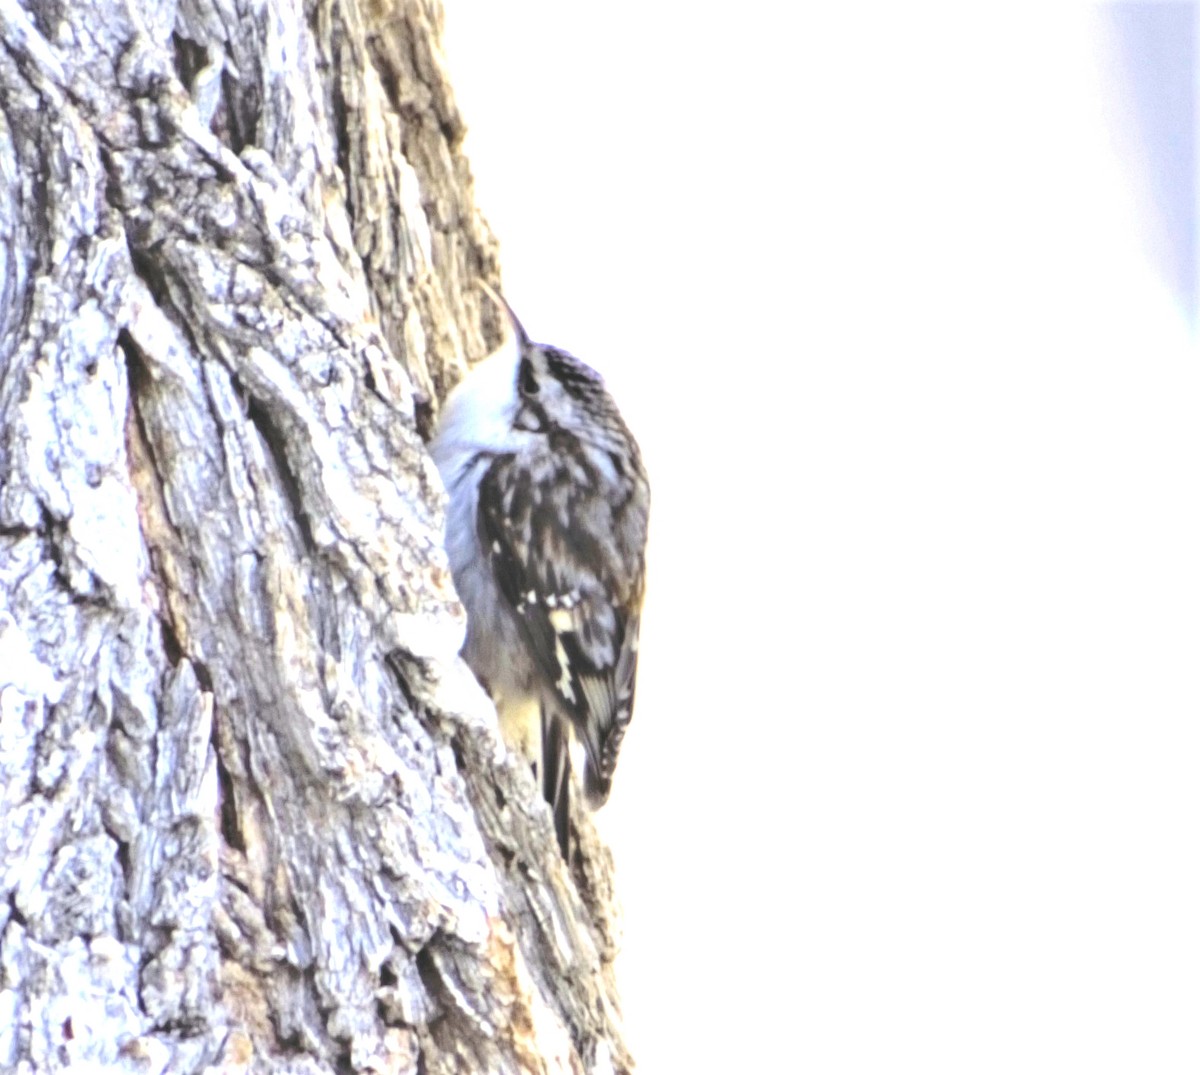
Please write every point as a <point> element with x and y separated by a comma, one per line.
<point>576,591</point>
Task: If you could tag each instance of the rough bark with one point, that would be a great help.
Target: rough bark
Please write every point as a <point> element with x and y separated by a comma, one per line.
<point>256,814</point>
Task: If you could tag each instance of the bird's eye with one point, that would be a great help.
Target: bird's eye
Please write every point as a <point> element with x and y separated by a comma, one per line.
<point>529,385</point>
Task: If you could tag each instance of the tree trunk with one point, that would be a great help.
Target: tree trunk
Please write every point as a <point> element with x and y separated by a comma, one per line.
<point>256,814</point>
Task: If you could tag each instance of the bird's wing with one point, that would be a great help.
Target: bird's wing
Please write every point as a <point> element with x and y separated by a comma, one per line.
<point>575,601</point>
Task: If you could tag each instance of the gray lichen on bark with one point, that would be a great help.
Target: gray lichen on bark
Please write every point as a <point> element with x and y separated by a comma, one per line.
<point>256,815</point>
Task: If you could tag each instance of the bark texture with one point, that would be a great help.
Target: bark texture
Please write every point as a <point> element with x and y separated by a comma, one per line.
<point>256,816</point>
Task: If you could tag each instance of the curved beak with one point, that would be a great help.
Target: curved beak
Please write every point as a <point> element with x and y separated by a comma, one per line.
<point>522,336</point>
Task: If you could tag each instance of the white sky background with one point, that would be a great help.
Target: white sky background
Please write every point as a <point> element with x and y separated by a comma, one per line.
<point>914,778</point>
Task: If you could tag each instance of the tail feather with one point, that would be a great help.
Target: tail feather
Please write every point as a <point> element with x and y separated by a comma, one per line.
<point>556,777</point>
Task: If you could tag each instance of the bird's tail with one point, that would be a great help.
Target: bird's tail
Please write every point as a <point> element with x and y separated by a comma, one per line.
<point>556,776</point>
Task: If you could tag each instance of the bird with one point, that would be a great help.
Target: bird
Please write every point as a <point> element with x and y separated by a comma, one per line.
<point>546,529</point>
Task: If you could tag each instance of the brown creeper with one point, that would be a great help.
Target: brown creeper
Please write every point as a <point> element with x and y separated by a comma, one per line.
<point>546,534</point>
